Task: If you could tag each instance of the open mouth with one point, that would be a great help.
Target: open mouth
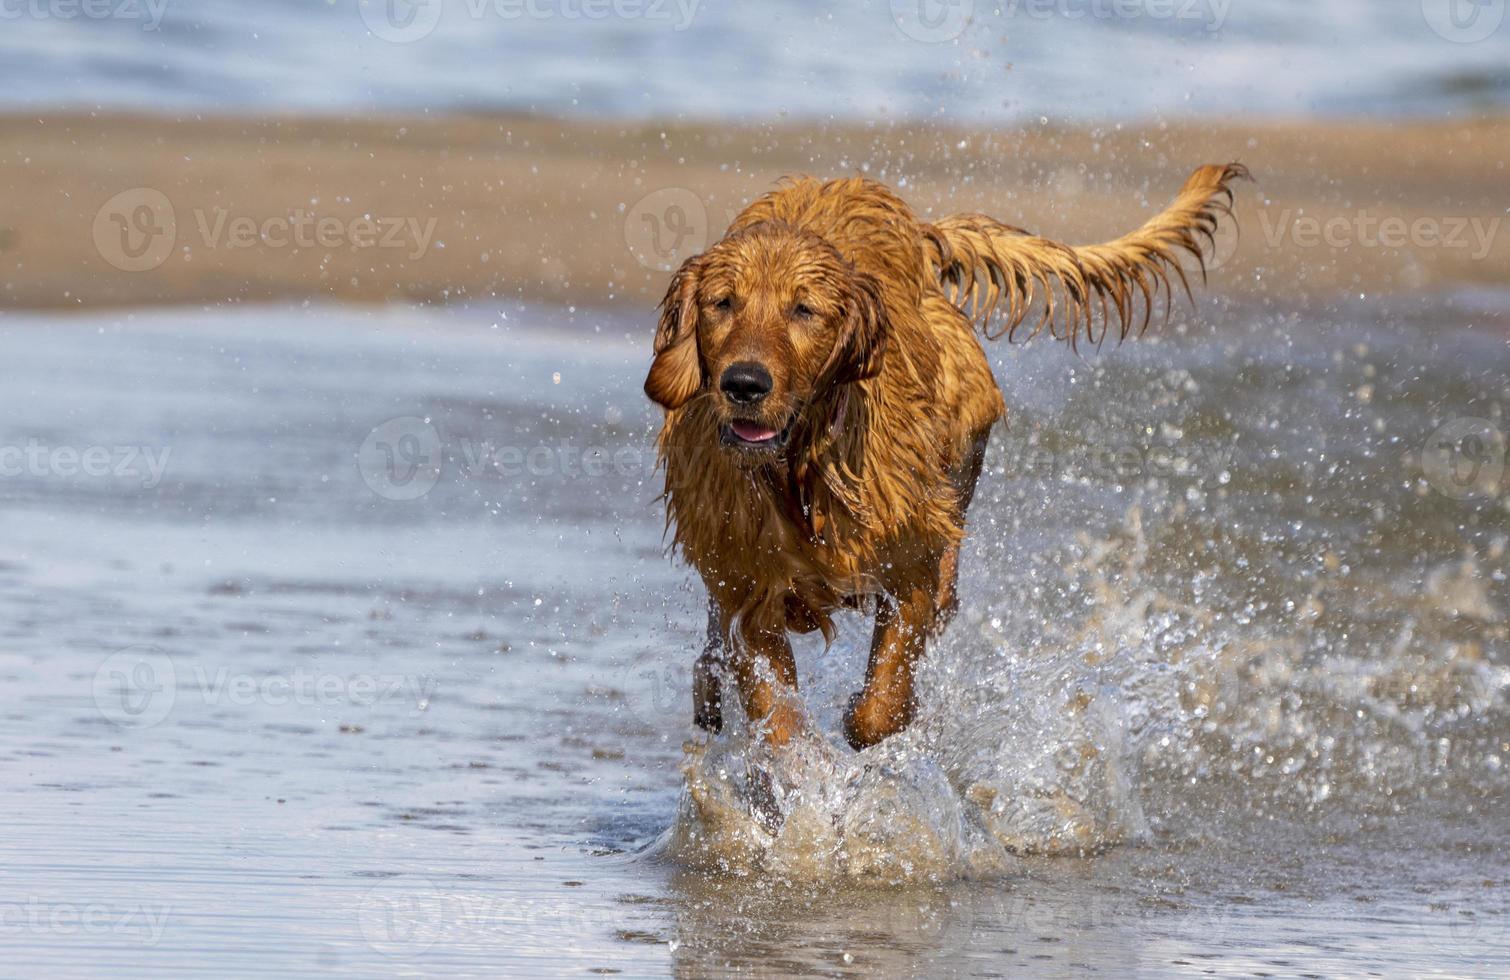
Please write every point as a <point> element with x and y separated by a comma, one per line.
<point>749,434</point>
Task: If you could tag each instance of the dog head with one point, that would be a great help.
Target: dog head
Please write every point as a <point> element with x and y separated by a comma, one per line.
<point>764,324</point>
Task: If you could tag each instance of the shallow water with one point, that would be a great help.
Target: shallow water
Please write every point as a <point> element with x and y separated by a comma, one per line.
<point>285,696</point>
<point>968,62</point>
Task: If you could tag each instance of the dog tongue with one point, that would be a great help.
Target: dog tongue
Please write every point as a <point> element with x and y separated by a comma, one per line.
<point>752,431</point>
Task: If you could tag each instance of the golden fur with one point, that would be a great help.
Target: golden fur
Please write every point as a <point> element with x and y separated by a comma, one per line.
<point>861,318</point>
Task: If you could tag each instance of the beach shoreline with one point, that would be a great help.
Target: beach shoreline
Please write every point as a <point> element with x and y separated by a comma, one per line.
<point>131,210</point>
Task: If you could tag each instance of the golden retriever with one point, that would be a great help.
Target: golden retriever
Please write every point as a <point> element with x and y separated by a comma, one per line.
<point>827,406</point>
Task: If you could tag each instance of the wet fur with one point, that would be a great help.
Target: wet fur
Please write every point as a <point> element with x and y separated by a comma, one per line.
<point>890,400</point>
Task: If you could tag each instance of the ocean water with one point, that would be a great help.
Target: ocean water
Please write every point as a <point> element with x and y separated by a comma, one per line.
<point>341,639</point>
<point>966,61</point>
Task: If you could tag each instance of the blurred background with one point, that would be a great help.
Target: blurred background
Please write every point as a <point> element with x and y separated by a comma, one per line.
<point>961,62</point>
<point>335,615</point>
<point>515,148</point>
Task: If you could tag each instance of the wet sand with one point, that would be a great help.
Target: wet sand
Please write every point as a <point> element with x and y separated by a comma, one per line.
<point>580,213</point>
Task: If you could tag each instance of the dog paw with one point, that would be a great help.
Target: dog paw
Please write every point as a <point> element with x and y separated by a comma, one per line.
<point>868,721</point>
<point>709,719</point>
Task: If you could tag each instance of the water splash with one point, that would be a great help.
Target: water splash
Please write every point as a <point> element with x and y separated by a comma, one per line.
<point>1037,740</point>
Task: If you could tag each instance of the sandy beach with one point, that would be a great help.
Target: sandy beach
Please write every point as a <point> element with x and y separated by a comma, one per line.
<point>128,209</point>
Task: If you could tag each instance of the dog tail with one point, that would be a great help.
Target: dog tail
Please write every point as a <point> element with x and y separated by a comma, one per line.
<point>984,262</point>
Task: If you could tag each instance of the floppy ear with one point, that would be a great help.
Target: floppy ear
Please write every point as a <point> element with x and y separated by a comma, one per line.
<point>676,373</point>
<point>862,337</point>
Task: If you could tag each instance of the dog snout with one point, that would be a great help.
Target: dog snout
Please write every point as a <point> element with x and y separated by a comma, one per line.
<point>745,383</point>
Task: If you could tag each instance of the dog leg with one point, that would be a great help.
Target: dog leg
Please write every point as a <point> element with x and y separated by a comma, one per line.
<point>965,478</point>
<point>765,671</point>
<point>707,686</point>
<point>968,475</point>
<point>888,704</point>
<point>947,598</point>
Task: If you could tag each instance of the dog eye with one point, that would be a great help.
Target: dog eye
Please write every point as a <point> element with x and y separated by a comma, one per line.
<point>724,305</point>
<point>803,312</point>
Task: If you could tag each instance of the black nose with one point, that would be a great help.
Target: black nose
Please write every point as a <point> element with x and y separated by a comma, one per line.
<point>745,383</point>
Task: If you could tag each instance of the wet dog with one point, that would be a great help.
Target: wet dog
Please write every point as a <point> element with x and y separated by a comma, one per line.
<point>828,405</point>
